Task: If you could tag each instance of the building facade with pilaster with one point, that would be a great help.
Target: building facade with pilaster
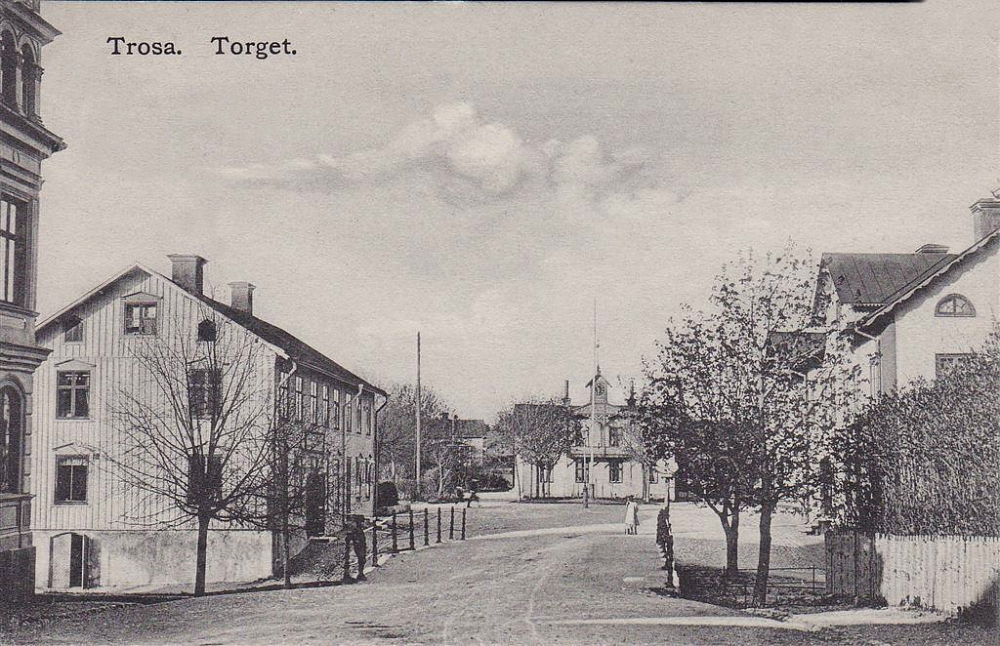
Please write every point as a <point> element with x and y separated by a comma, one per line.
<point>24,143</point>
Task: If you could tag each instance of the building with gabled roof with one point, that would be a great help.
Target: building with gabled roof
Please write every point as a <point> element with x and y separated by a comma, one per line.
<point>915,315</point>
<point>84,518</point>
<point>609,444</point>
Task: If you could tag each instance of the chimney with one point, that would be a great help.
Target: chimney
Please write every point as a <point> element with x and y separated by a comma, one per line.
<point>187,272</point>
<point>986,216</point>
<point>566,399</point>
<point>242,297</point>
<point>932,248</point>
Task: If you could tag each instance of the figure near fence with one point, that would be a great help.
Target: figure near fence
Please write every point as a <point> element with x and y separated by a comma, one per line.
<point>665,541</point>
<point>356,543</point>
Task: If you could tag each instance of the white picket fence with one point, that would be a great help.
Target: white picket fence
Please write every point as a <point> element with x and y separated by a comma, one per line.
<point>948,573</point>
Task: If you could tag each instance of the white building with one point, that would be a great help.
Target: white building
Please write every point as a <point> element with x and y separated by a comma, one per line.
<point>915,314</point>
<point>88,526</point>
<point>610,443</point>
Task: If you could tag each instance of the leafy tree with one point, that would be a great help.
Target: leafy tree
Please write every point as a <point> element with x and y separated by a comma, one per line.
<point>538,432</point>
<point>758,395</point>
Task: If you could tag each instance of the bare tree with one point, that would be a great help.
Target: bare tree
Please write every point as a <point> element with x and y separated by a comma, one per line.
<point>397,427</point>
<point>193,427</point>
<point>539,432</point>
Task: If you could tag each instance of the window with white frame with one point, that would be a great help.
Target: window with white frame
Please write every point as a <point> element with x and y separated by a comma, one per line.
<point>954,305</point>
<point>13,250</point>
<point>72,394</point>
<point>71,479</point>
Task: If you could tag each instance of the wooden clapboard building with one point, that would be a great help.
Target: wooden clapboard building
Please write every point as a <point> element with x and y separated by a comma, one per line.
<point>85,518</point>
<point>24,144</point>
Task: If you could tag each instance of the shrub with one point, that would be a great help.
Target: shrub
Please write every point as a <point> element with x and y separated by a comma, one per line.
<point>386,495</point>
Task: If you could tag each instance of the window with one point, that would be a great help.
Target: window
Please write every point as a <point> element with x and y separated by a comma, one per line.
<point>615,471</point>
<point>29,73</point>
<point>358,416</point>
<point>207,331</point>
<point>581,470</point>
<point>945,364</point>
<point>654,476</point>
<point>335,412</point>
<point>545,473</point>
<point>348,400</point>
<point>368,417</point>
<point>954,305</point>
<point>71,479</point>
<point>326,406</point>
<point>140,318</point>
<point>298,401</point>
<point>8,69</point>
<point>72,395</point>
<point>205,393</point>
<point>72,329</point>
<point>614,436</point>
<point>314,403</point>
<point>204,483</point>
<point>284,397</point>
<point>12,250</point>
<point>10,441</point>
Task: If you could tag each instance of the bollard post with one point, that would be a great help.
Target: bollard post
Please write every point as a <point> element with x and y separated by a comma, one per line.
<point>375,544</point>
<point>411,530</point>
<point>395,546</point>
<point>463,524</point>
<point>451,527</point>
<point>426,528</point>
<point>439,525</point>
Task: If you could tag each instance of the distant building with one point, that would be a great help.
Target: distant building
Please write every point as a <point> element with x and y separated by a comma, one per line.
<point>84,518</point>
<point>611,444</point>
<point>24,144</point>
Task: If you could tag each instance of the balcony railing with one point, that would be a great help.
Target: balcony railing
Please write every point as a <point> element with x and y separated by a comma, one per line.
<point>599,452</point>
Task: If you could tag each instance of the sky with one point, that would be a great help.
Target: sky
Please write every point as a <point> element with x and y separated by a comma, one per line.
<point>485,173</point>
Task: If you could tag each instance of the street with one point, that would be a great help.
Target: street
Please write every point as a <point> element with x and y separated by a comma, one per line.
<point>531,581</point>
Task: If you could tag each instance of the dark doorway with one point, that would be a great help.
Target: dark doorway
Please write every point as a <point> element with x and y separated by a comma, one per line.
<point>315,504</point>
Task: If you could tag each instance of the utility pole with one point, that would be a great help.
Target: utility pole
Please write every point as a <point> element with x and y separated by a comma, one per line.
<point>593,412</point>
<point>417,484</point>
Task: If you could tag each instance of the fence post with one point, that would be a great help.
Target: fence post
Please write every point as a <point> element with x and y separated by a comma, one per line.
<point>426,528</point>
<point>411,530</point>
<point>395,546</point>
<point>375,544</point>
<point>451,527</point>
<point>439,525</point>
<point>463,524</point>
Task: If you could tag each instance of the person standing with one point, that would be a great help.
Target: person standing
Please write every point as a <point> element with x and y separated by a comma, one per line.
<point>355,541</point>
<point>631,516</point>
<point>665,542</point>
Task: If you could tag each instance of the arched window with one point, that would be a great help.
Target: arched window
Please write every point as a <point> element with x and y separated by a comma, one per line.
<point>954,305</point>
<point>8,69</point>
<point>10,440</point>
<point>28,77</point>
<point>206,330</point>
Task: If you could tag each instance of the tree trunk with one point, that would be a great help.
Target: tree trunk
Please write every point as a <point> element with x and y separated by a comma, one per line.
<point>202,558</point>
<point>645,482</point>
<point>764,557</point>
<point>732,530</point>
<point>286,555</point>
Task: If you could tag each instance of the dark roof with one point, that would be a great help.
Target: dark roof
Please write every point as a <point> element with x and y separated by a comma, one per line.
<point>295,348</point>
<point>468,428</point>
<point>871,279</point>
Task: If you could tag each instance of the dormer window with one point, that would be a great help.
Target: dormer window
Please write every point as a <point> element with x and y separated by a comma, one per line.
<point>954,305</point>
<point>206,331</point>
<point>72,329</point>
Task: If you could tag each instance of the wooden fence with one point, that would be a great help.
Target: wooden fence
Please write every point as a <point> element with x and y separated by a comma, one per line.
<point>949,573</point>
